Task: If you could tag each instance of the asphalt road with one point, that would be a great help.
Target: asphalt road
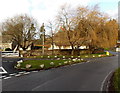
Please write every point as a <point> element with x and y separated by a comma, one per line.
<point>81,77</point>
<point>8,64</point>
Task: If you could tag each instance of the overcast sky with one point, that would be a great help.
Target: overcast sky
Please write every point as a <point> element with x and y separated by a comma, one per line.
<point>44,10</point>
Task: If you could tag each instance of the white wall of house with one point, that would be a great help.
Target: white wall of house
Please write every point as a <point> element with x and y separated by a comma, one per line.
<point>5,45</point>
<point>117,49</point>
<point>83,47</point>
<point>66,47</point>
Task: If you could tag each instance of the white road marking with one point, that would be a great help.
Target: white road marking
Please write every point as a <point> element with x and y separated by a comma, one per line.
<point>34,71</point>
<point>45,83</point>
<point>12,74</point>
<point>3,76</point>
<point>21,72</point>
<point>26,72</point>
<point>7,77</point>
<point>18,75</point>
<point>102,85</point>
<point>87,62</point>
<point>5,61</point>
<point>11,61</point>
<point>4,71</point>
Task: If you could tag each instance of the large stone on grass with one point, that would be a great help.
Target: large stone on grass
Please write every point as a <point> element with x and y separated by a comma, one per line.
<point>20,61</point>
<point>93,55</point>
<point>48,56</point>
<point>69,61</point>
<point>86,56</point>
<point>60,64</point>
<point>65,62</point>
<point>99,55</point>
<point>18,65</point>
<point>42,65</point>
<point>28,65</point>
<point>51,63</point>
<point>81,59</point>
<point>74,60</point>
<point>55,56</point>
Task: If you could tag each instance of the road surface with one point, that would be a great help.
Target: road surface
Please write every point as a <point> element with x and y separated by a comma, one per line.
<point>8,64</point>
<point>88,76</point>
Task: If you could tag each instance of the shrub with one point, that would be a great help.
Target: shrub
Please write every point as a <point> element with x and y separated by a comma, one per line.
<point>8,49</point>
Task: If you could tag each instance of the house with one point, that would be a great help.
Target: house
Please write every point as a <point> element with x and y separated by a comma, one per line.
<point>60,41</point>
<point>4,46</point>
<point>118,46</point>
<point>15,46</point>
<point>65,46</point>
<point>5,42</point>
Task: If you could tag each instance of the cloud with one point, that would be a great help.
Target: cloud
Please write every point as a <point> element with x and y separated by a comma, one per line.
<point>42,10</point>
<point>113,13</point>
<point>9,8</point>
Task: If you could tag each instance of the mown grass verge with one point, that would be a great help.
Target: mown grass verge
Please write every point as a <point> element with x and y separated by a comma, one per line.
<point>45,64</point>
<point>116,80</point>
<point>81,56</point>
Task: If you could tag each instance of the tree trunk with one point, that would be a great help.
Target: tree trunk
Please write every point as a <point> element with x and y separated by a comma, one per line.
<point>91,48</point>
<point>72,52</point>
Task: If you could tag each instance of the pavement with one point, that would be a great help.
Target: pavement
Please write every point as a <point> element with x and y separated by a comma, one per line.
<point>89,76</point>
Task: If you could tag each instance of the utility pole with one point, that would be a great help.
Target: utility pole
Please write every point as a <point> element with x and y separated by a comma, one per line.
<point>43,38</point>
<point>52,42</point>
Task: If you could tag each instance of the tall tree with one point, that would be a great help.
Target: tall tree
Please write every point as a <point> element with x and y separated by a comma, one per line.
<point>87,26</point>
<point>91,24</point>
<point>111,32</point>
<point>65,20</point>
<point>22,29</point>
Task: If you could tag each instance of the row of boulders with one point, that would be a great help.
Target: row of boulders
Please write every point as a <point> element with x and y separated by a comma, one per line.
<point>51,63</point>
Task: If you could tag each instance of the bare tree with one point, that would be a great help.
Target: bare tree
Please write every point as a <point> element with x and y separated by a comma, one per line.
<point>65,20</point>
<point>87,26</point>
<point>22,30</point>
<point>52,30</point>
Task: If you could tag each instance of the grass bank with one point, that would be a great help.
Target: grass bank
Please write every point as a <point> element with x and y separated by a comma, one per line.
<point>116,80</point>
<point>45,64</point>
<point>81,56</point>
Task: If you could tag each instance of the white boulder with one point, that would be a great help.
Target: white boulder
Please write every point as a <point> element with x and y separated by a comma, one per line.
<point>28,65</point>
<point>60,63</point>
<point>42,65</point>
<point>18,65</point>
<point>65,62</point>
<point>51,63</point>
